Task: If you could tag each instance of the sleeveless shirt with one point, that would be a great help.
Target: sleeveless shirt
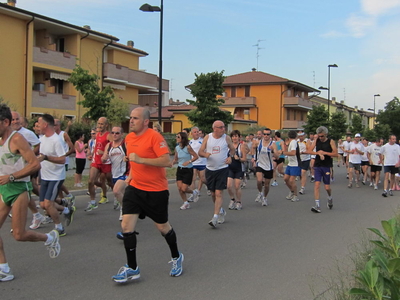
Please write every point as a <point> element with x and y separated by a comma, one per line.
<point>219,152</point>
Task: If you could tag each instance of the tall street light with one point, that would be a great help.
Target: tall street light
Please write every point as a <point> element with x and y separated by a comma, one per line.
<point>325,89</point>
<point>149,8</point>
<point>329,86</point>
<point>376,95</point>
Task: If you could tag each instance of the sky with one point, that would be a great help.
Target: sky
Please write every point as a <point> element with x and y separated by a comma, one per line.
<point>297,40</point>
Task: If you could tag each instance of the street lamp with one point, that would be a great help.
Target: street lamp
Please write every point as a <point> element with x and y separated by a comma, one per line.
<point>376,95</point>
<point>329,85</point>
<point>325,89</point>
<point>149,8</point>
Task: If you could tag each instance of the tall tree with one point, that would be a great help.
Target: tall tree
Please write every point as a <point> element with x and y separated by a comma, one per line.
<point>205,89</point>
<point>370,134</point>
<point>382,131</point>
<point>391,116</point>
<point>96,100</point>
<point>356,125</point>
<point>338,126</point>
<point>117,112</point>
<point>316,117</point>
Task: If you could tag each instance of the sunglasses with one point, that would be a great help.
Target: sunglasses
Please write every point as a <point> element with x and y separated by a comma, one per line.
<point>178,137</point>
<point>112,132</point>
<point>266,133</point>
<point>93,133</point>
<point>321,136</point>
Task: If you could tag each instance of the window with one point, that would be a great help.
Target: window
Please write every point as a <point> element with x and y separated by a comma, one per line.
<point>233,91</point>
<point>288,114</point>
<point>60,45</point>
<point>247,91</point>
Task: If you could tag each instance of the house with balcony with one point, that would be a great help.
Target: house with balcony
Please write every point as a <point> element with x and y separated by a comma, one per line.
<point>269,100</point>
<point>39,53</point>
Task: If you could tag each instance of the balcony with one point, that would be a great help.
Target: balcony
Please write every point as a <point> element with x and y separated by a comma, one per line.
<point>54,58</point>
<point>239,101</point>
<point>142,80</point>
<point>297,102</point>
<point>53,101</point>
<point>293,124</point>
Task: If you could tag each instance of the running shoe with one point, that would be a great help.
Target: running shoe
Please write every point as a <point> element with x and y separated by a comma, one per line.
<point>243,185</point>
<point>384,194</point>
<point>125,273</point>
<point>36,222</point>
<point>190,199</point>
<point>71,199</point>
<point>290,196</point>
<point>316,209</point>
<point>259,198</point>
<point>213,222</point>
<point>295,199</point>
<point>61,232</point>
<point>120,236</point>
<point>312,179</point>
<point>363,182</point>
<point>54,246</point>
<point>6,276</point>
<point>91,206</point>
<point>274,183</point>
<point>302,191</point>
<point>357,185</point>
<point>371,184</point>
<point>47,220</point>
<point>196,197</point>
<point>349,185</point>
<point>185,206</point>
<point>264,202</point>
<point>208,192</point>
<point>238,206</point>
<point>221,216</point>
<point>69,217</point>
<point>176,269</point>
<point>390,193</point>
<point>103,200</point>
<point>232,205</point>
<point>116,204</point>
<point>375,187</point>
<point>330,203</point>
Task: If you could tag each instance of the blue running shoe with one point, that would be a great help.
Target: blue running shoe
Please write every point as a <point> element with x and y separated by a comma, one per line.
<point>120,236</point>
<point>176,266</point>
<point>125,273</point>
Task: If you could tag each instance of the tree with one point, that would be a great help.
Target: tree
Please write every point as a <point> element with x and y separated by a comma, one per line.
<point>96,100</point>
<point>382,131</point>
<point>356,125</point>
<point>391,116</point>
<point>370,135</point>
<point>338,126</point>
<point>317,117</point>
<point>117,112</point>
<point>205,89</point>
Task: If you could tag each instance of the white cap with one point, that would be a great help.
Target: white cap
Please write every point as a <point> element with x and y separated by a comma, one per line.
<point>357,135</point>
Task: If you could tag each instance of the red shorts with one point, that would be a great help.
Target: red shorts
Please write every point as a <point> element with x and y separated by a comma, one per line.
<point>103,168</point>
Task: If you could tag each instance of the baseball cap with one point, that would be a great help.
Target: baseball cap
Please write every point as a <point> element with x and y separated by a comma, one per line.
<point>357,135</point>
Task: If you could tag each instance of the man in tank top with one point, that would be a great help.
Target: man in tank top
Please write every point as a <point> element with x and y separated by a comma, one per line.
<point>217,147</point>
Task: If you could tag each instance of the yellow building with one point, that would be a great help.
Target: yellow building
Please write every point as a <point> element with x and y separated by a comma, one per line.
<point>39,53</point>
<point>271,101</point>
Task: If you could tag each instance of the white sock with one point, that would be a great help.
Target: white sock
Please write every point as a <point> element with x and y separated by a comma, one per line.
<point>59,226</point>
<point>49,239</point>
<point>93,202</point>
<point>215,216</point>
<point>66,211</point>
<point>4,267</point>
<point>317,203</point>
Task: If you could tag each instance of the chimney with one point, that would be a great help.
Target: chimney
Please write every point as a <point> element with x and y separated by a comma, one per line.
<point>342,102</point>
<point>130,44</point>
<point>11,2</point>
<point>333,98</point>
<point>87,27</point>
<point>356,107</point>
<point>254,69</point>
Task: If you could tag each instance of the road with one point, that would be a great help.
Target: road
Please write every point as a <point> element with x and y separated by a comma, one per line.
<point>274,252</point>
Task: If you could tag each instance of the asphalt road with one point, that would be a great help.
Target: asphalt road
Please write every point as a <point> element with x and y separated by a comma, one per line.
<point>274,252</point>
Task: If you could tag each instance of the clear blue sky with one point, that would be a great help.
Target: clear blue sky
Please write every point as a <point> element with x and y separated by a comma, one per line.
<point>299,40</point>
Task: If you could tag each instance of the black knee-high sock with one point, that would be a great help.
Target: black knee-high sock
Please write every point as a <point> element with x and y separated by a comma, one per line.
<point>130,248</point>
<point>170,237</point>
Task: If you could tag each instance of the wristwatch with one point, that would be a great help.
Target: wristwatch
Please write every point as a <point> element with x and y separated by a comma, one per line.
<point>12,178</point>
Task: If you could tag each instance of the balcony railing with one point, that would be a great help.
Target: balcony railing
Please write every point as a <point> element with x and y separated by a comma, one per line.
<point>293,124</point>
<point>133,77</point>
<point>239,101</point>
<point>297,102</point>
<point>54,58</point>
<point>53,101</point>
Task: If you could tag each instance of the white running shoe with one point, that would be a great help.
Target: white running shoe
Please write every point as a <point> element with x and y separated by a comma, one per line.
<point>54,246</point>
<point>259,198</point>
<point>274,183</point>
<point>295,198</point>
<point>302,191</point>
<point>36,222</point>
<point>264,202</point>
<point>290,196</point>
<point>213,222</point>
<point>231,204</point>
<point>185,206</point>
<point>221,216</point>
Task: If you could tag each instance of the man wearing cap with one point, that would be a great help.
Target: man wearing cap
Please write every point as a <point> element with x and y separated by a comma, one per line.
<point>356,149</point>
<point>390,156</point>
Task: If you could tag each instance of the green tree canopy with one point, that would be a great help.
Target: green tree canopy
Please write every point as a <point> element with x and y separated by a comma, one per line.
<point>205,89</point>
<point>96,100</point>
<point>391,116</point>
<point>338,126</point>
<point>356,125</point>
<point>317,117</point>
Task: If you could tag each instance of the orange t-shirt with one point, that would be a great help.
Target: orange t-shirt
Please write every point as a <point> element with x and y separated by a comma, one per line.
<point>150,144</point>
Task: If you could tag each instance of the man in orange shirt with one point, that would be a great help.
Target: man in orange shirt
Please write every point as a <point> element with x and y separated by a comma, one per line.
<point>147,193</point>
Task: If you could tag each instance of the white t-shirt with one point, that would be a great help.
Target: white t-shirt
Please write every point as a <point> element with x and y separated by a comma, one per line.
<point>374,152</point>
<point>219,152</point>
<point>364,157</point>
<point>355,158</point>
<point>346,146</point>
<point>292,160</point>
<point>196,144</point>
<point>29,136</point>
<point>391,154</point>
<point>52,146</point>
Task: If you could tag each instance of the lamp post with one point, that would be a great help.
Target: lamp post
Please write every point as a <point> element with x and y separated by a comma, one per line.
<point>376,95</point>
<point>325,89</point>
<point>149,8</point>
<point>329,86</point>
